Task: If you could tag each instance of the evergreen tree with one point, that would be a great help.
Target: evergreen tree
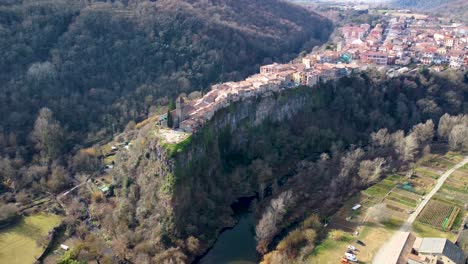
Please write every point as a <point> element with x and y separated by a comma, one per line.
<point>170,121</point>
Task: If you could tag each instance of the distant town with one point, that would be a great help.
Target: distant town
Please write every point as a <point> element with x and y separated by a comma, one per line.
<point>398,43</point>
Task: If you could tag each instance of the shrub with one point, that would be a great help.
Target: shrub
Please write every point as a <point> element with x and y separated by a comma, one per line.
<point>8,214</point>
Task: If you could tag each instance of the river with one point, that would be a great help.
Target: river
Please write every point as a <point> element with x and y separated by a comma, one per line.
<point>235,245</point>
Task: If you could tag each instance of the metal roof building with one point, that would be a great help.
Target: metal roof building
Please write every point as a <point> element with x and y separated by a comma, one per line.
<point>441,247</point>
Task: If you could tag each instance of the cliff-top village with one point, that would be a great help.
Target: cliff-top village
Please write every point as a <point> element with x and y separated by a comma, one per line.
<point>397,44</point>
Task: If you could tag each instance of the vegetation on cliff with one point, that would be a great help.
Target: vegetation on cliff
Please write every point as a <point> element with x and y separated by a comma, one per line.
<point>321,142</point>
<point>73,73</point>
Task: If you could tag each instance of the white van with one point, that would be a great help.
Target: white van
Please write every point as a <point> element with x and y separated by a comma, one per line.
<point>351,257</point>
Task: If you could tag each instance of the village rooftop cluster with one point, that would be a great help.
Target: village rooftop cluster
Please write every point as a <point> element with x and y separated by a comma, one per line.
<point>405,39</point>
<point>398,42</point>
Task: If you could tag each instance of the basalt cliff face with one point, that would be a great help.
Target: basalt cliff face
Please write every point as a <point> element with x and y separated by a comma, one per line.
<point>173,199</point>
<point>186,189</point>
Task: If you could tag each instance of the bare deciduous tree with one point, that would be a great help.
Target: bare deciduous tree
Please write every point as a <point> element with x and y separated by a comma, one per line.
<point>48,135</point>
<point>371,170</point>
<point>267,227</point>
<point>458,138</point>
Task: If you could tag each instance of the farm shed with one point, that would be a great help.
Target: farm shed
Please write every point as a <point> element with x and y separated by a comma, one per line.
<point>443,248</point>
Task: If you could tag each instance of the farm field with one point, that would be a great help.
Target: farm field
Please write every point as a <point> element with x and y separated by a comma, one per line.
<point>378,191</point>
<point>451,195</point>
<point>403,197</point>
<point>439,214</point>
<point>442,163</point>
<point>18,243</point>
<point>421,184</point>
<point>428,172</point>
<point>444,214</point>
<point>388,203</point>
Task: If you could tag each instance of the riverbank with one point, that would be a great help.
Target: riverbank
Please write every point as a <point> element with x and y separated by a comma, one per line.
<point>235,245</point>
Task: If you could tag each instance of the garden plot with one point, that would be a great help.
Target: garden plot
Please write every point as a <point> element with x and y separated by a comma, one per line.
<point>464,168</point>
<point>459,181</point>
<point>455,189</point>
<point>404,197</point>
<point>397,206</point>
<point>411,195</point>
<point>439,214</point>
<point>421,184</point>
<point>378,191</point>
<point>449,194</point>
<point>423,171</point>
<point>442,163</point>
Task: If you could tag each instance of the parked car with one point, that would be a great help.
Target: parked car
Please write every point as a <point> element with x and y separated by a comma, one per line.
<point>360,243</point>
<point>350,247</point>
<point>351,257</point>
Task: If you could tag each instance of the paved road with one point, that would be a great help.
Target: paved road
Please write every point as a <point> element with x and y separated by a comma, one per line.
<point>405,227</point>
<point>382,253</point>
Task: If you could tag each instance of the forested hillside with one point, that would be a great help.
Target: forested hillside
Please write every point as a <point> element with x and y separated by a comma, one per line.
<point>98,65</point>
<point>338,137</point>
<point>451,8</point>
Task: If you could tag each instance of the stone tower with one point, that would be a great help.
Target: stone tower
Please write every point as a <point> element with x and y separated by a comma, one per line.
<point>180,109</point>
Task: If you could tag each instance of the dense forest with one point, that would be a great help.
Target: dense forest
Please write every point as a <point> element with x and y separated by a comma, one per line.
<point>72,73</point>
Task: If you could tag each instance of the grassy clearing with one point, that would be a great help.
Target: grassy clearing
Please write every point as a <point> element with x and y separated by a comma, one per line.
<point>423,230</point>
<point>380,189</point>
<point>330,251</point>
<point>178,147</point>
<point>18,243</point>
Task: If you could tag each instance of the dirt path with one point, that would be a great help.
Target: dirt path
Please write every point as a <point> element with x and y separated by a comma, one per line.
<point>380,256</point>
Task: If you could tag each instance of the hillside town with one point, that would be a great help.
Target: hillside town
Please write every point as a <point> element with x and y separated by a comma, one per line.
<point>397,43</point>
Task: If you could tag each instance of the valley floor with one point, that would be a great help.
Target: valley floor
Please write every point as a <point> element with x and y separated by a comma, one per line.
<point>388,205</point>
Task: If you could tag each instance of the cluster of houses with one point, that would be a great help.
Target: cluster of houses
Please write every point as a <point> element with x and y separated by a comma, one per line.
<point>189,116</point>
<point>396,40</point>
<point>402,39</point>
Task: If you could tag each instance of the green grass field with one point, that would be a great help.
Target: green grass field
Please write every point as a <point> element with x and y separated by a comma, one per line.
<point>18,242</point>
<point>422,230</point>
<point>380,189</point>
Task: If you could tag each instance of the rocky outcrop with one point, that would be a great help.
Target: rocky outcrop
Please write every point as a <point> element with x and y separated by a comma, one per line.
<point>186,189</point>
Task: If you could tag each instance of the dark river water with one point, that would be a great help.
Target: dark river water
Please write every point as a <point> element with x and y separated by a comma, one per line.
<point>235,245</point>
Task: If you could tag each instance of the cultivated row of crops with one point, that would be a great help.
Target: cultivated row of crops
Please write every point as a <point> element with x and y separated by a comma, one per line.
<point>439,214</point>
